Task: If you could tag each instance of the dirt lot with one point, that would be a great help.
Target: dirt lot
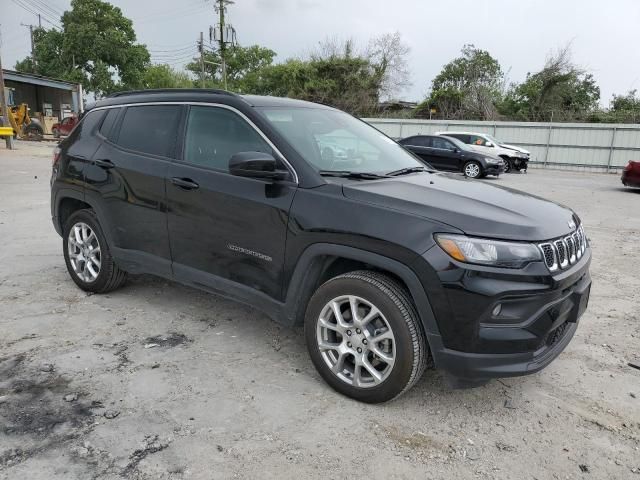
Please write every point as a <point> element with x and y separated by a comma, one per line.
<point>159,381</point>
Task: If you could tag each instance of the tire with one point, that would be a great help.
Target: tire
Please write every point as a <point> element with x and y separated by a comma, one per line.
<point>507,165</point>
<point>100,274</point>
<point>56,133</point>
<point>472,169</point>
<point>34,132</point>
<point>404,344</point>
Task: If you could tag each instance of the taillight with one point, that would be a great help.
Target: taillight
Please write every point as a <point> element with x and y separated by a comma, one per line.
<point>56,155</point>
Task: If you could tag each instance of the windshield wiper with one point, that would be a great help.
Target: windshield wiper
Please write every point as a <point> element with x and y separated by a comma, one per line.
<point>405,171</point>
<point>350,174</point>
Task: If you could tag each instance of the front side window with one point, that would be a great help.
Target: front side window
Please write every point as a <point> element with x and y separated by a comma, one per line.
<point>478,140</point>
<point>442,144</point>
<point>215,134</point>
<point>333,140</point>
<point>150,129</point>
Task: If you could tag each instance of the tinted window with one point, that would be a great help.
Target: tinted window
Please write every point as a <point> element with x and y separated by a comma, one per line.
<point>417,141</point>
<point>150,129</point>
<point>214,135</point>
<point>107,125</point>
<point>442,144</point>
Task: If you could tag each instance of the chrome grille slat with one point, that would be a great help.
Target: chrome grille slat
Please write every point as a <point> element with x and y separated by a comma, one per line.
<point>562,252</point>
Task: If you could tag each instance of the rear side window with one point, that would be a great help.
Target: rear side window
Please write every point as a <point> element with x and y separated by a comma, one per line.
<point>150,129</point>
<point>106,130</point>
<point>215,134</point>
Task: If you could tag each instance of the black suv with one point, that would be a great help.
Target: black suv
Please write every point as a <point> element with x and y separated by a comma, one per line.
<point>446,153</point>
<point>317,218</point>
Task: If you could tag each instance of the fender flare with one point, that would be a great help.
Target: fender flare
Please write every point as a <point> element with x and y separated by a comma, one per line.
<point>309,267</point>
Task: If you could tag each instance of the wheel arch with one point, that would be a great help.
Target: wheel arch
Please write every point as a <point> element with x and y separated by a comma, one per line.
<point>322,261</point>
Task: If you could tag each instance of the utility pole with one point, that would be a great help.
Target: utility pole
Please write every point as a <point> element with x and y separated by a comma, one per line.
<point>224,31</point>
<point>33,52</point>
<point>4,111</point>
<point>201,49</point>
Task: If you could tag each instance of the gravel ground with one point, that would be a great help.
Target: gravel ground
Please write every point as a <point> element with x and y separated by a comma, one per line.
<point>160,381</point>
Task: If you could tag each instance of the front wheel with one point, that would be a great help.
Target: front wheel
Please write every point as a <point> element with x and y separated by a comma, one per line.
<point>364,336</point>
<point>507,165</point>
<point>87,254</point>
<point>56,133</point>
<point>472,169</point>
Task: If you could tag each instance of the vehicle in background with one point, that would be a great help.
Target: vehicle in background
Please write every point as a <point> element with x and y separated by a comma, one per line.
<point>515,158</point>
<point>631,174</point>
<point>64,128</point>
<point>448,153</point>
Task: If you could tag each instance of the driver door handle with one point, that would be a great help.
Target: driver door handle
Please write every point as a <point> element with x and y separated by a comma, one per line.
<point>185,183</point>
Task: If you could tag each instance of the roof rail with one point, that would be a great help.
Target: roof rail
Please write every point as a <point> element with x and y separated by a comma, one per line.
<point>170,90</point>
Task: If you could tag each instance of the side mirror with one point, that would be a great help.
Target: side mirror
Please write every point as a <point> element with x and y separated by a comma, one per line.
<point>456,150</point>
<point>255,165</point>
<point>488,144</point>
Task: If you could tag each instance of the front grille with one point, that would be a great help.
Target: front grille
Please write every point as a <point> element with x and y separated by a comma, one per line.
<point>561,253</point>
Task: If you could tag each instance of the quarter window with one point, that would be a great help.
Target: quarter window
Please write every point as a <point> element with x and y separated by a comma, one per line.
<point>150,129</point>
<point>215,134</point>
<point>107,124</point>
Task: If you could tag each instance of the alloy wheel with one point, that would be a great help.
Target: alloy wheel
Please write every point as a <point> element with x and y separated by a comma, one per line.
<point>472,170</point>
<point>84,252</point>
<point>356,341</point>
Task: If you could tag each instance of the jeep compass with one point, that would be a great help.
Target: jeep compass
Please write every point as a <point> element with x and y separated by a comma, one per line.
<point>318,219</point>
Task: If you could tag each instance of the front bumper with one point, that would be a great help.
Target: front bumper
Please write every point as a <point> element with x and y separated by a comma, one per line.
<point>539,314</point>
<point>494,169</point>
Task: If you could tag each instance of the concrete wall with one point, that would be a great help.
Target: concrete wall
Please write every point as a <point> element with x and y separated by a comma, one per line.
<point>583,146</point>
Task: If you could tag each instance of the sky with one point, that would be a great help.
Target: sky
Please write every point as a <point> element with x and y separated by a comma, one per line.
<point>520,34</point>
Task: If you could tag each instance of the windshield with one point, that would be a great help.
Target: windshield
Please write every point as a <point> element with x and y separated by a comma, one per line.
<point>334,140</point>
<point>493,139</point>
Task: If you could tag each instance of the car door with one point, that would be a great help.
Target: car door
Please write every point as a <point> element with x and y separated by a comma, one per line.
<point>126,183</point>
<point>226,232</point>
<point>446,155</point>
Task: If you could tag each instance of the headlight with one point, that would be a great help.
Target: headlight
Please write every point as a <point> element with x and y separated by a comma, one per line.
<point>493,160</point>
<point>488,252</point>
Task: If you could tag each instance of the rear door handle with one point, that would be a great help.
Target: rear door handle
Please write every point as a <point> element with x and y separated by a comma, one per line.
<point>103,163</point>
<point>185,183</point>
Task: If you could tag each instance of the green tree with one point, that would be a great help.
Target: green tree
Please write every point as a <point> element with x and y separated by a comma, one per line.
<point>560,91</point>
<point>243,65</point>
<point>96,46</point>
<point>163,76</point>
<point>468,87</point>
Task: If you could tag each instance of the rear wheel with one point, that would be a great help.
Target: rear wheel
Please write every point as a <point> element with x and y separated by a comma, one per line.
<point>364,336</point>
<point>87,254</point>
<point>472,169</point>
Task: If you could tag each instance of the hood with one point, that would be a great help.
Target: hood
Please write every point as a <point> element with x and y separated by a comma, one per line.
<point>477,208</point>
<point>517,149</point>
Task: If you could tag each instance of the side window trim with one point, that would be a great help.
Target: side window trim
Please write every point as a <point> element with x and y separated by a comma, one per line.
<point>280,156</point>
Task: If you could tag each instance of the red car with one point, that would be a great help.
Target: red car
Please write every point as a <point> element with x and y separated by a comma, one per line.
<point>64,128</point>
<point>631,174</point>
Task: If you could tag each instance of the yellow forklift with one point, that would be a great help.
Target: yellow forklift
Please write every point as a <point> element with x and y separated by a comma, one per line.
<point>24,127</point>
